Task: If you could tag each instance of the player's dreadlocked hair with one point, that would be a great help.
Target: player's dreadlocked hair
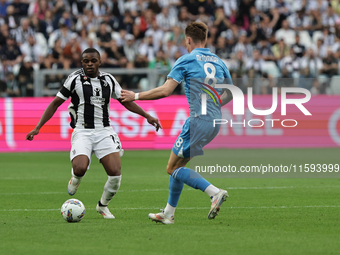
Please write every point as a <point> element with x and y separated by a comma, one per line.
<point>90,50</point>
<point>198,31</point>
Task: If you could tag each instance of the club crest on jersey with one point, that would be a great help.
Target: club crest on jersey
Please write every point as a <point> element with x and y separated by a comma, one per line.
<point>96,98</point>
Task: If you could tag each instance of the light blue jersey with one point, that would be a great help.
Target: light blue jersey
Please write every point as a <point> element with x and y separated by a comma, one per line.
<point>200,71</point>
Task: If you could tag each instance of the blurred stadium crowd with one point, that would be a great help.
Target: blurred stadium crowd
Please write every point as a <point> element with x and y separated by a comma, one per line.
<point>265,43</point>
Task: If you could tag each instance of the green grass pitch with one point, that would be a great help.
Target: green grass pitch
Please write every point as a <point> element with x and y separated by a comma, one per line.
<point>261,216</point>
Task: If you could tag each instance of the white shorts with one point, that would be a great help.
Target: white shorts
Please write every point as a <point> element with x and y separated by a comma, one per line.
<point>100,141</point>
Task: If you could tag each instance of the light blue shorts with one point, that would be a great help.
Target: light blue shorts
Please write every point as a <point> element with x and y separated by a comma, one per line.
<point>195,134</point>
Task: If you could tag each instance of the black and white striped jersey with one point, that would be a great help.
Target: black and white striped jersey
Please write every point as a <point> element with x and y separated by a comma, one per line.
<point>90,98</point>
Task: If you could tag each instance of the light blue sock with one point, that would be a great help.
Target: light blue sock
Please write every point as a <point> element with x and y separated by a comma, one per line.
<point>190,178</point>
<point>175,190</point>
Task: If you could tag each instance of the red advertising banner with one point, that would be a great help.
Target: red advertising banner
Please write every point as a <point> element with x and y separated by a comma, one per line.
<point>18,116</point>
<point>277,130</point>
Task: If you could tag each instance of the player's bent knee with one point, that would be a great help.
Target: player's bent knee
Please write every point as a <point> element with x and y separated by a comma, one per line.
<point>80,164</point>
<point>169,169</point>
<point>79,170</point>
<point>114,171</point>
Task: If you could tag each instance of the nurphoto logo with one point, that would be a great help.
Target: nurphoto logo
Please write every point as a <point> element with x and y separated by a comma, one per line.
<point>238,104</point>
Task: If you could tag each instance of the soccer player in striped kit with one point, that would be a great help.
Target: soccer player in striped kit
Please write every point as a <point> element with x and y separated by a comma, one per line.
<point>90,91</point>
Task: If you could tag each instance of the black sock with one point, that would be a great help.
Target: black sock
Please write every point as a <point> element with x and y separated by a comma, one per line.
<point>100,204</point>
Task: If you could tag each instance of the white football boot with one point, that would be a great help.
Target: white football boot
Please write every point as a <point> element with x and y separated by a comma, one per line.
<point>103,210</point>
<point>73,185</point>
<point>216,203</point>
<point>160,217</point>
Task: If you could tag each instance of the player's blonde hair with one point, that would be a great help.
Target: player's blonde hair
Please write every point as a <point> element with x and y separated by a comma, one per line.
<point>198,32</point>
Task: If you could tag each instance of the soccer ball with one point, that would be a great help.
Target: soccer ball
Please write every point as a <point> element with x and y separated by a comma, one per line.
<point>73,210</point>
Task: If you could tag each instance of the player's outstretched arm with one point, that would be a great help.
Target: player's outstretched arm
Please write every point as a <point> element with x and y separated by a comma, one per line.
<point>163,91</point>
<point>133,107</point>
<point>48,113</point>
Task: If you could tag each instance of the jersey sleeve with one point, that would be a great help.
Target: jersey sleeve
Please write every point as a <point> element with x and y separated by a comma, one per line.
<point>178,71</point>
<point>117,89</point>
<point>66,89</point>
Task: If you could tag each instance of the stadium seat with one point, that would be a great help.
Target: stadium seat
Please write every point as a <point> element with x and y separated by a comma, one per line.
<point>335,84</point>
<point>167,36</point>
<point>93,36</point>
<point>305,39</point>
<point>16,69</point>
<point>42,42</point>
<point>322,79</point>
<point>227,62</point>
<point>296,77</point>
<point>143,84</point>
<point>316,36</point>
<point>295,5</point>
<point>271,68</point>
<point>36,66</point>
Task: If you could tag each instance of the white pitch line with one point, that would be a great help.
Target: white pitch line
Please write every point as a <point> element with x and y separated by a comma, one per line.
<point>20,178</point>
<point>155,190</point>
<point>187,208</point>
<point>43,193</point>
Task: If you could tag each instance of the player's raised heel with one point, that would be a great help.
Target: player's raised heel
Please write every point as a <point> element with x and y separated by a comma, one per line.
<point>216,203</point>
<point>160,217</point>
<point>103,210</point>
<point>73,186</point>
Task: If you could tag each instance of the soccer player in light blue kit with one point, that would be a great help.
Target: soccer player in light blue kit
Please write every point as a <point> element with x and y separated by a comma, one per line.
<point>199,71</point>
